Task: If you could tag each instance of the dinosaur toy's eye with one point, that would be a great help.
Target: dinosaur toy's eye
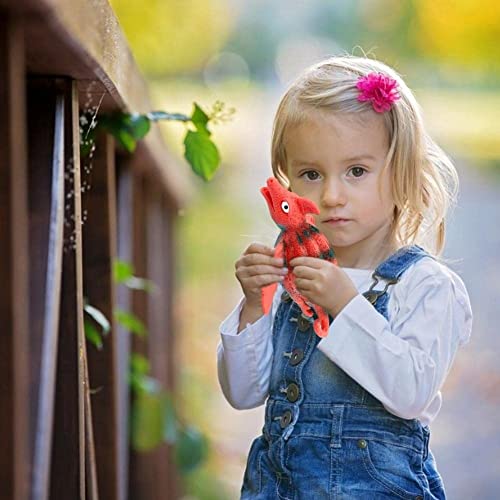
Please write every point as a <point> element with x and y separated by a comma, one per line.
<point>285,207</point>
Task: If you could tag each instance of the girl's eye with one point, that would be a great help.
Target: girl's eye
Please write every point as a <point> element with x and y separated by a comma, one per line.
<point>311,175</point>
<point>357,171</point>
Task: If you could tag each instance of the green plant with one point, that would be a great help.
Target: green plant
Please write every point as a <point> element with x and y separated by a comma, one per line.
<point>154,419</point>
<point>127,128</point>
<point>99,319</point>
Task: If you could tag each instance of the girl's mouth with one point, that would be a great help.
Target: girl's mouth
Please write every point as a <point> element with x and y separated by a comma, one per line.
<point>336,222</point>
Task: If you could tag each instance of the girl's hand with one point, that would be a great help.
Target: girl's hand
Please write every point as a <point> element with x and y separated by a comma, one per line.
<point>323,283</point>
<point>256,268</point>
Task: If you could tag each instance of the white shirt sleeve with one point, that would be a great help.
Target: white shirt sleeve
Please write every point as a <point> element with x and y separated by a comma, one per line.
<point>244,360</point>
<point>404,362</point>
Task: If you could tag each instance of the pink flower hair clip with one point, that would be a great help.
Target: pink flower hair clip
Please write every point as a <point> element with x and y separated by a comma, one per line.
<point>379,89</point>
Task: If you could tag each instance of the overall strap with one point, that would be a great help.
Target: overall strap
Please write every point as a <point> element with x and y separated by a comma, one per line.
<point>390,271</point>
<point>394,266</point>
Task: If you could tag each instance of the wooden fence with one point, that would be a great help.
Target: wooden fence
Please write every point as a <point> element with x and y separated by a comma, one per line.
<point>64,405</point>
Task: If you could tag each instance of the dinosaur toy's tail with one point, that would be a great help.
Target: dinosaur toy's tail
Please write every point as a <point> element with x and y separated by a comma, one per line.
<point>322,323</point>
<point>267,297</point>
<point>269,291</point>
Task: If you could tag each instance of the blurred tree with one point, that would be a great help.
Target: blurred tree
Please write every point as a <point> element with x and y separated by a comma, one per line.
<point>464,32</point>
<point>174,36</point>
<point>417,36</point>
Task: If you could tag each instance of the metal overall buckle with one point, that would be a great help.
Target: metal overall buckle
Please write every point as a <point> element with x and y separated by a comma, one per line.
<point>373,295</point>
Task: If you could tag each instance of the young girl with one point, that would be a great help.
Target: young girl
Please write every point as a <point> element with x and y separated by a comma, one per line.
<point>347,416</point>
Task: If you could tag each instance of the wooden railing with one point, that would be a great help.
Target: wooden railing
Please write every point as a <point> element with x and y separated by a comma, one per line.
<point>64,408</point>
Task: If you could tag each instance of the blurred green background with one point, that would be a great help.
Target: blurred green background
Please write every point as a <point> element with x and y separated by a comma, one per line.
<point>244,53</point>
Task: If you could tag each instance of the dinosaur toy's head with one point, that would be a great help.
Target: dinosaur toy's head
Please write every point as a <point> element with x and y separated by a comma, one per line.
<point>287,209</point>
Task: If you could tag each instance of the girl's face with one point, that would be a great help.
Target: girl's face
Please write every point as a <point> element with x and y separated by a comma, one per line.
<point>337,162</point>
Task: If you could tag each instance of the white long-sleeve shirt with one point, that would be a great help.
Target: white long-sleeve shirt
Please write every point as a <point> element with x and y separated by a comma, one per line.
<point>402,362</point>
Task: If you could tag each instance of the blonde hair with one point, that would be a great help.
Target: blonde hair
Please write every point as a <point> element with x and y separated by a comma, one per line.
<point>424,180</point>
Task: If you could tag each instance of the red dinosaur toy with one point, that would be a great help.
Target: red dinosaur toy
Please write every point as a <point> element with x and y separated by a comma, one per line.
<point>299,237</point>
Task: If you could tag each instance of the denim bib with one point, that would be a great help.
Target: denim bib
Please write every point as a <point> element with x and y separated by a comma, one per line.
<point>325,436</point>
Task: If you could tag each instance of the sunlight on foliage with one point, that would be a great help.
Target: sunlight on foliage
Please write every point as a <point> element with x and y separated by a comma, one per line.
<point>464,32</point>
<point>465,122</point>
<point>170,36</point>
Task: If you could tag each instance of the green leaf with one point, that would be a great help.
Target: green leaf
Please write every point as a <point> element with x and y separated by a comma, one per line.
<point>201,153</point>
<point>119,125</point>
<point>200,119</point>
<point>138,125</point>
<point>98,317</point>
<point>191,449</point>
<point>130,322</point>
<point>155,116</point>
<point>126,139</point>
<point>139,364</point>
<point>92,335</point>
<point>138,369</point>
<point>147,416</point>
<point>122,271</point>
<point>112,122</point>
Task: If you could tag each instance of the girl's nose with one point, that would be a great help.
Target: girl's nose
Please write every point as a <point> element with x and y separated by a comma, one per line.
<point>333,194</point>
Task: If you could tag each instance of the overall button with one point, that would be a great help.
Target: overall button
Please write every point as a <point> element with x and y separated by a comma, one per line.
<point>419,497</point>
<point>286,418</point>
<point>292,392</point>
<point>303,323</point>
<point>361,443</point>
<point>297,356</point>
<point>285,297</point>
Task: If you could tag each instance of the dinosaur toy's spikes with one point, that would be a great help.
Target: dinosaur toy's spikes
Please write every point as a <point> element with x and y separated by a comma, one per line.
<point>298,237</point>
<point>307,206</point>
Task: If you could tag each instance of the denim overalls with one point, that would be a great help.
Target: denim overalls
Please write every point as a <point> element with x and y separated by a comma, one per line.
<point>325,437</point>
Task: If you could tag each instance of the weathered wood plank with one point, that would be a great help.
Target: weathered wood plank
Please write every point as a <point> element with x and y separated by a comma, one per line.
<point>14,266</point>
<point>124,187</point>
<point>141,479</point>
<point>152,473</point>
<point>99,251</point>
<point>46,207</point>
<point>92,491</point>
<point>161,340</point>
<point>68,451</point>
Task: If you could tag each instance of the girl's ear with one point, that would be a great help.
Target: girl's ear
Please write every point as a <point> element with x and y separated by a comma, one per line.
<point>307,206</point>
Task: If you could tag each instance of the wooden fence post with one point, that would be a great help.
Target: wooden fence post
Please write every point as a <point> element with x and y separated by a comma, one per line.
<point>14,265</point>
<point>68,452</point>
<point>99,251</point>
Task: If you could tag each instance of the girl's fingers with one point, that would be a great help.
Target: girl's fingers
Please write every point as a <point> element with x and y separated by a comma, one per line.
<point>254,259</point>
<point>250,271</point>
<point>263,280</point>
<point>258,248</point>
<point>313,262</point>
<point>302,284</point>
<point>304,272</point>
<point>262,269</point>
